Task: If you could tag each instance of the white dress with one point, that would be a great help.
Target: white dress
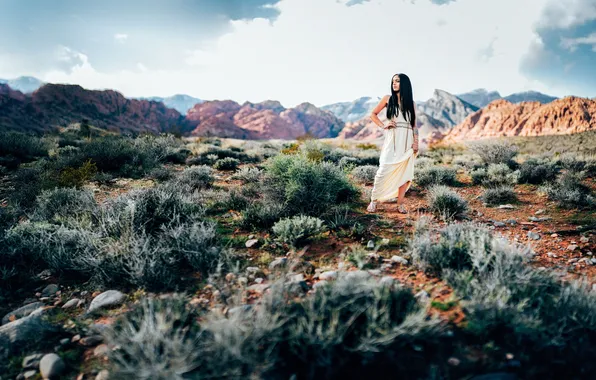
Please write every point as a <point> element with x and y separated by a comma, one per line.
<point>396,164</point>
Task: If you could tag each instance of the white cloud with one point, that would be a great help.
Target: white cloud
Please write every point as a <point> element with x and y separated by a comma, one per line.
<point>567,13</point>
<point>572,43</point>
<point>322,51</point>
<point>120,37</point>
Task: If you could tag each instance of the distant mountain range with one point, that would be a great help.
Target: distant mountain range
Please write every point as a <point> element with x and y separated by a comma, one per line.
<point>41,107</point>
<point>179,102</point>
<point>481,97</point>
<point>26,85</point>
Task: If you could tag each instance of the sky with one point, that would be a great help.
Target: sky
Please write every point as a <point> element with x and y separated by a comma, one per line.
<point>294,51</point>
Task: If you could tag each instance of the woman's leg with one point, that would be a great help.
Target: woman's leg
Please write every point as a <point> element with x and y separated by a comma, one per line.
<point>400,196</point>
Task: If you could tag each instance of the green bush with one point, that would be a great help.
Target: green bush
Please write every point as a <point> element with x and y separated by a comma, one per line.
<point>16,147</point>
<point>569,191</point>
<point>63,203</point>
<point>248,175</point>
<point>495,152</point>
<point>435,175</point>
<point>536,172</point>
<point>498,175</point>
<point>296,231</point>
<point>195,177</point>
<point>227,163</point>
<point>445,202</point>
<point>306,187</point>
<point>365,174</point>
<point>499,195</point>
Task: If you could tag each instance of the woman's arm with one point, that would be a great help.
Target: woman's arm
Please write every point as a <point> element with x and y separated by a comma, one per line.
<point>415,132</point>
<point>373,115</point>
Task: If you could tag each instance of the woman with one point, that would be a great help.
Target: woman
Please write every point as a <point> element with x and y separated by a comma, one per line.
<point>396,165</point>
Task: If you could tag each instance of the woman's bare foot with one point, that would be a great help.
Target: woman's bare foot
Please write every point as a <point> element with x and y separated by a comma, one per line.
<point>372,207</point>
<point>402,209</point>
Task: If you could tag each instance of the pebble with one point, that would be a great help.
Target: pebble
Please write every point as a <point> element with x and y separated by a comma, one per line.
<point>278,263</point>
<point>533,235</point>
<point>251,243</point>
<point>21,312</point>
<point>259,280</point>
<point>571,247</point>
<point>584,239</point>
<point>51,366</point>
<point>329,275</point>
<point>422,296</point>
<point>541,211</point>
<point>399,260</point>
<point>102,375</point>
<point>499,224</point>
<point>507,206</point>
<point>72,303</point>
<point>32,361</point>
<point>49,290</point>
<point>106,299</point>
<point>370,244</point>
<point>92,340</point>
<point>252,270</point>
<point>453,361</point>
<point>101,350</point>
<point>551,254</point>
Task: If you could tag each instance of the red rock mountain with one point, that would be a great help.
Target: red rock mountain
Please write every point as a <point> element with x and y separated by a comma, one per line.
<point>502,118</point>
<point>55,105</point>
<point>266,120</point>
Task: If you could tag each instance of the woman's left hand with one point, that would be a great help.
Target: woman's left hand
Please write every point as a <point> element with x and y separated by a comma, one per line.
<point>415,147</point>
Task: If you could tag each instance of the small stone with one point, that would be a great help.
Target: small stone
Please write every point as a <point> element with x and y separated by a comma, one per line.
<point>230,277</point>
<point>64,341</point>
<point>571,261</point>
<point>385,241</point>
<point>534,219</point>
<point>571,247</point>
<point>385,267</point>
<point>242,280</point>
<point>92,340</point>
<point>329,275</point>
<point>32,361</point>
<point>258,288</point>
<point>584,239</point>
<point>370,244</point>
<point>84,293</point>
<point>51,366</point>
<point>252,270</point>
<point>76,338</point>
<point>509,356</point>
<point>512,222</point>
<point>551,254</point>
<point>278,263</point>
<point>49,290</point>
<point>533,235</point>
<point>101,350</point>
<point>422,296</point>
<point>106,299</point>
<point>29,374</point>
<point>592,261</point>
<point>21,312</point>
<point>399,260</point>
<point>453,361</point>
<point>251,237</point>
<point>72,303</point>
<point>554,235</point>
<point>541,211</point>
<point>507,206</point>
<point>499,224</point>
<point>103,375</point>
<point>251,243</point>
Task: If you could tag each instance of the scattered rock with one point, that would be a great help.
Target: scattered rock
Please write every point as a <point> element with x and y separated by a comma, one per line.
<point>554,235</point>
<point>101,350</point>
<point>29,374</point>
<point>423,296</point>
<point>399,260</point>
<point>92,340</point>
<point>259,280</point>
<point>242,280</point>
<point>385,241</point>
<point>543,219</point>
<point>252,270</point>
<point>584,239</point>
<point>32,361</point>
<point>51,366</point>
<point>539,212</point>
<point>251,237</point>
<point>251,243</point>
<point>533,235</point>
<point>370,244</point>
<point>21,312</point>
<point>551,254</point>
<point>72,303</point>
<point>103,375</point>
<point>49,290</point>
<point>385,267</point>
<point>571,261</point>
<point>278,263</point>
<point>571,247</point>
<point>27,330</point>
<point>592,261</point>
<point>258,288</point>
<point>453,361</point>
<point>511,222</point>
<point>230,277</point>
<point>329,275</point>
<point>64,341</point>
<point>507,206</point>
<point>106,299</point>
<point>499,224</point>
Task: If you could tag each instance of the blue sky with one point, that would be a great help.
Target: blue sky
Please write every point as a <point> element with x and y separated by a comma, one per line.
<point>321,51</point>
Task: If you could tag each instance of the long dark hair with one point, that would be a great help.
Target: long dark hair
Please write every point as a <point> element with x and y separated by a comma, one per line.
<point>407,100</point>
